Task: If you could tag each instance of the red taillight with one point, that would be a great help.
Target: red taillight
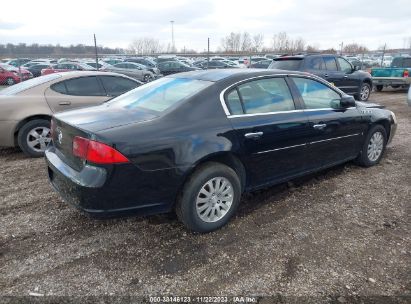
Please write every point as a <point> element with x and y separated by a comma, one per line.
<point>406,73</point>
<point>96,152</point>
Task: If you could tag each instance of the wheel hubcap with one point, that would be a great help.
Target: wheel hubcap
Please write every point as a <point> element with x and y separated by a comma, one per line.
<point>214,199</point>
<point>375,146</point>
<point>39,138</point>
<point>10,81</point>
<point>365,92</point>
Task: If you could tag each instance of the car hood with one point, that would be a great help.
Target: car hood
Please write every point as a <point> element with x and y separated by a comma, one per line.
<point>98,118</point>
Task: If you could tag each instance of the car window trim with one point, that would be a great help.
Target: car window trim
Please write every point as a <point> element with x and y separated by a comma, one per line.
<point>283,76</point>
<point>298,103</point>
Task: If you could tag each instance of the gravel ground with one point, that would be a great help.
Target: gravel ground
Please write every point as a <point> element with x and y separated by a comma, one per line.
<point>338,236</point>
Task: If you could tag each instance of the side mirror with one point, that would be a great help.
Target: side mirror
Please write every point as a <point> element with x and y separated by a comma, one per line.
<point>357,68</point>
<point>347,101</point>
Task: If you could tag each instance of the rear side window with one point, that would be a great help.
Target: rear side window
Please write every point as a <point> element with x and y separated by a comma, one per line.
<point>317,95</point>
<point>117,85</point>
<point>315,63</point>
<point>234,103</point>
<point>290,64</point>
<point>59,87</point>
<point>401,62</point>
<point>330,64</point>
<point>84,86</point>
<point>263,96</point>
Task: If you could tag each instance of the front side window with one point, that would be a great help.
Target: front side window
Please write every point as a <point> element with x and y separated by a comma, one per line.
<point>317,95</point>
<point>161,94</point>
<point>263,96</point>
<point>84,86</point>
<point>344,65</point>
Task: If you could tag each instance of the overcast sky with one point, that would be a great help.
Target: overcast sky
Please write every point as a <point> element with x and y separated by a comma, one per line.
<point>324,23</point>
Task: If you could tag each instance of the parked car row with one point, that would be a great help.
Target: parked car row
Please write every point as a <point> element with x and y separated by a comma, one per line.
<point>10,75</point>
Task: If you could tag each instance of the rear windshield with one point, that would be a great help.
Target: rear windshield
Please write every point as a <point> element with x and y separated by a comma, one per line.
<point>160,95</point>
<point>290,64</point>
<point>25,85</point>
<point>401,62</point>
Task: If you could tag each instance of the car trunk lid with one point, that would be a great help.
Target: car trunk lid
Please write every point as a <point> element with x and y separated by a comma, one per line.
<point>87,123</point>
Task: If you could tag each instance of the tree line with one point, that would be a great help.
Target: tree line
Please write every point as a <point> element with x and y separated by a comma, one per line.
<point>35,49</point>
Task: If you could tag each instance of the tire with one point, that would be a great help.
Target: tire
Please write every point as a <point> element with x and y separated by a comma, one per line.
<point>366,158</point>
<point>201,213</point>
<point>147,78</point>
<point>364,93</point>
<point>10,81</point>
<point>33,137</point>
<point>379,88</point>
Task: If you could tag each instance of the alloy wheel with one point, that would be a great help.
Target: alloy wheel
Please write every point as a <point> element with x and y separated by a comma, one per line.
<point>214,199</point>
<point>365,92</point>
<point>38,139</point>
<point>375,146</point>
<point>10,81</point>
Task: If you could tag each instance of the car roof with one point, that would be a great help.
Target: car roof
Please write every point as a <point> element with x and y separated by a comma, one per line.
<point>301,56</point>
<point>226,74</point>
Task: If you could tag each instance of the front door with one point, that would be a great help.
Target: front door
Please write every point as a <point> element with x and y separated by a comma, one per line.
<point>350,82</point>
<point>336,133</point>
<point>271,129</point>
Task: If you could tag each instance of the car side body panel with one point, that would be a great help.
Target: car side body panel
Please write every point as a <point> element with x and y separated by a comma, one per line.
<point>164,150</point>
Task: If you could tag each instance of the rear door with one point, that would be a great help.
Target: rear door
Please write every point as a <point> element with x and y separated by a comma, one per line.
<point>75,93</point>
<point>336,133</point>
<point>331,73</point>
<point>271,129</point>
<point>315,65</point>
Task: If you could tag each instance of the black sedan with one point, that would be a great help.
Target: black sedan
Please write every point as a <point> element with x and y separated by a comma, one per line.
<point>194,142</point>
<point>36,68</point>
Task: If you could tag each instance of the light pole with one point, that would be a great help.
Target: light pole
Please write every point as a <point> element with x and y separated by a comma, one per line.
<point>172,36</point>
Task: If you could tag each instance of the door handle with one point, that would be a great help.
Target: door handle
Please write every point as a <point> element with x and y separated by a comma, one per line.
<point>319,126</point>
<point>65,103</point>
<point>325,75</point>
<point>345,76</point>
<point>254,135</point>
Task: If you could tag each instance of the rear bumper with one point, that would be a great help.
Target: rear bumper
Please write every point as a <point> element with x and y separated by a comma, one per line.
<point>388,81</point>
<point>114,190</point>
